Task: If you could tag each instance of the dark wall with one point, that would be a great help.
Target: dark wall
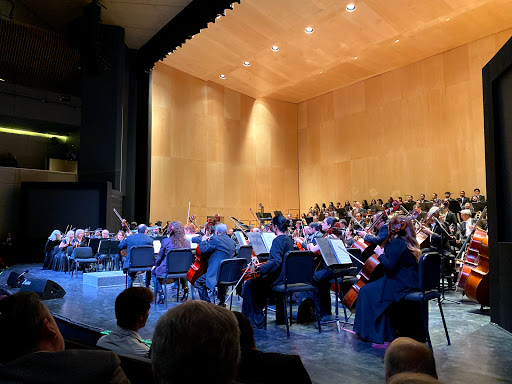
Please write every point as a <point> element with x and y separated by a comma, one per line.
<point>497,85</point>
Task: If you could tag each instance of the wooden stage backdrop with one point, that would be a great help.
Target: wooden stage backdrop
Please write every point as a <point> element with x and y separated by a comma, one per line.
<point>416,129</point>
<point>223,151</point>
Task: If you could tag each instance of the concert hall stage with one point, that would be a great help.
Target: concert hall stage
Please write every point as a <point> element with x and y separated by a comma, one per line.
<point>480,352</point>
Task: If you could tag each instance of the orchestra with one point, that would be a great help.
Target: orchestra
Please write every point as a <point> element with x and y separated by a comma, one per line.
<point>394,234</point>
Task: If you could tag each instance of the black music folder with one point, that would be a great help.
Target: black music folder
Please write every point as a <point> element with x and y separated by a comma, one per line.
<point>479,206</point>
<point>408,206</point>
<point>334,253</point>
<point>426,206</point>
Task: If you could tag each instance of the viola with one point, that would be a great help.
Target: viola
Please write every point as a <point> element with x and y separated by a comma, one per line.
<point>371,269</point>
<point>199,266</point>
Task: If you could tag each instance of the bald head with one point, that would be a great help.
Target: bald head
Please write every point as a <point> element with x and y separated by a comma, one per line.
<point>408,355</point>
<point>412,378</point>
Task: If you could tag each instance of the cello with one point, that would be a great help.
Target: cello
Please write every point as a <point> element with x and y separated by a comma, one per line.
<point>199,267</point>
<point>371,269</point>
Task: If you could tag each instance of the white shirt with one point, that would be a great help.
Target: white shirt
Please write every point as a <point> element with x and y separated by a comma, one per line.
<point>124,341</point>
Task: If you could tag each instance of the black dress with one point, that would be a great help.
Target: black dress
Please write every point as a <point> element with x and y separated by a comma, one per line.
<point>50,251</point>
<point>372,321</point>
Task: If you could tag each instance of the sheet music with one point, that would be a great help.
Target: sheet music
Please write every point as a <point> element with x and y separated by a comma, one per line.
<point>268,238</point>
<point>340,251</point>
<point>241,238</point>
<point>157,245</point>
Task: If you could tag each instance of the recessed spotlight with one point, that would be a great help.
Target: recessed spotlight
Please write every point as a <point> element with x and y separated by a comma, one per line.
<point>355,58</point>
<point>247,64</point>
<point>447,19</point>
<point>308,30</point>
<point>218,16</point>
<point>222,76</point>
<point>397,40</point>
<point>275,48</point>
<point>351,7</point>
<point>168,53</point>
<point>321,72</point>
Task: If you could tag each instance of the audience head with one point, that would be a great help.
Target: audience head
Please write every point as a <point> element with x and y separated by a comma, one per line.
<point>196,338</point>
<point>221,229</point>
<point>280,223</point>
<point>408,355</point>
<point>142,228</point>
<point>132,307</point>
<point>28,327</point>
<point>412,378</point>
<point>246,332</point>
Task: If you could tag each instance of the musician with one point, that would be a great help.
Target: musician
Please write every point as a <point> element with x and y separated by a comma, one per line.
<point>357,209</point>
<point>463,199</point>
<point>422,198</point>
<point>258,289</point>
<point>399,259</point>
<point>105,236</point>
<point>479,198</point>
<point>389,204</point>
<point>316,210</point>
<point>450,219</point>
<point>214,249</point>
<point>347,206</point>
<point>434,197</point>
<point>380,203</point>
<point>323,274</point>
<point>409,199</point>
<point>358,218</point>
<point>97,234</point>
<point>381,228</point>
<point>140,238</point>
<point>175,240</point>
<point>465,227</point>
<point>51,248</point>
<point>470,207</point>
<point>373,202</point>
<point>365,205</point>
<point>60,259</point>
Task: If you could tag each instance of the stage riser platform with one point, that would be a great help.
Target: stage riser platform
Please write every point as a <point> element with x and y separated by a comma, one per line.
<point>105,279</point>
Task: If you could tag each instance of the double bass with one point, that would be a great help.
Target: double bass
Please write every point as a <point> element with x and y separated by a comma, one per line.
<point>474,268</point>
<point>199,267</point>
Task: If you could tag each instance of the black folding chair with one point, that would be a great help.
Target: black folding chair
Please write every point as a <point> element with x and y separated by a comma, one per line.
<point>297,269</point>
<point>177,263</point>
<point>245,252</point>
<point>428,271</point>
<point>141,260</point>
<point>229,273</point>
<point>82,255</point>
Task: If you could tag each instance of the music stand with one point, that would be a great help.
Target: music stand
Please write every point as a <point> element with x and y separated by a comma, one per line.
<point>408,206</point>
<point>94,244</point>
<point>454,206</point>
<point>278,213</point>
<point>336,257</point>
<point>309,220</point>
<point>479,206</point>
<point>426,206</point>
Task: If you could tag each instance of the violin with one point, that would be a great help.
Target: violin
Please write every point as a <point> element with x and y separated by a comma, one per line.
<point>199,267</point>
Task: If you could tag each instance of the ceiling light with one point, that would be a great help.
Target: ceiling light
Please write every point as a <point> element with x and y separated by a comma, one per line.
<point>275,48</point>
<point>247,64</point>
<point>222,76</point>
<point>30,133</point>
<point>396,41</point>
<point>351,7</point>
<point>308,30</point>
<point>321,72</point>
<point>2,80</point>
<point>355,58</point>
<point>447,19</point>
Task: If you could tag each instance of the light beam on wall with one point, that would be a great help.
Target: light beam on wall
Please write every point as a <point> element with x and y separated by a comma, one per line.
<point>30,133</point>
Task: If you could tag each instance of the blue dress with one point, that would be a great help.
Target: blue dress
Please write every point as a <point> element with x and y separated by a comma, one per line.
<point>372,321</point>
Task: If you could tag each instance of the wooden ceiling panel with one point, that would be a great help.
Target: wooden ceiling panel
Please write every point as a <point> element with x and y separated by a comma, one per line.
<point>309,65</point>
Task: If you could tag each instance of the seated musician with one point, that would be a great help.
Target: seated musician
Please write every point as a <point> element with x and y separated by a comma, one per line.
<point>51,248</point>
<point>380,203</point>
<point>60,263</point>
<point>357,209</point>
<point>258,289</point>
<point>434,197</point>
<point>479,198</point>
<point>399,259</point>
<point>214,249</point>
<point>380,228</point>
<point>465,227</point>
<point>323,274</point>
<point>358,219</point>
<point>175,240</point>
<point>440,242</point>
<point>463,199</point>
<point>422,198</point>
<point>409,199</point>
<point>364,205</point>
<point>347,206</point>
<point>140,238</point>
<point>120,236</point>
<point>102,258</point>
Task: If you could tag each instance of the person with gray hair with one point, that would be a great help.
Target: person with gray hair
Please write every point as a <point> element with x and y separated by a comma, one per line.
<point>196,342</point>
<point>214,249</point>
<point>139,239</point>
<point>408,355</point>
<point>51,249</point>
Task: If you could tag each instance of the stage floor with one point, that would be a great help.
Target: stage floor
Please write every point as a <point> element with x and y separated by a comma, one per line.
<point>480,352</point>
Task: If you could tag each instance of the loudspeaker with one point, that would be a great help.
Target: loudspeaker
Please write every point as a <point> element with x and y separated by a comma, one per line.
<point>47,289</point>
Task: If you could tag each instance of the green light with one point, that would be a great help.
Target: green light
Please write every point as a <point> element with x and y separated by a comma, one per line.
<point>147,342</point>
<point>30,133</point>
<point>105,332</point>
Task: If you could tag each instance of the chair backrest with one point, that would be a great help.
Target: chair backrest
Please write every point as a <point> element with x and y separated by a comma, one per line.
<point>82,253</point>
<point>298,267</point>
<point>141,256</point>
<point>114,247</point>
<point>429,271</point>
<point>179,260</point>
<point>230,271</point>
<point>245,252</point>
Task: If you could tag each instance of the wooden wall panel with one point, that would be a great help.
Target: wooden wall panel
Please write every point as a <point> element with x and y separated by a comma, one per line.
<point>222,151</point>
<point>416,129</point>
